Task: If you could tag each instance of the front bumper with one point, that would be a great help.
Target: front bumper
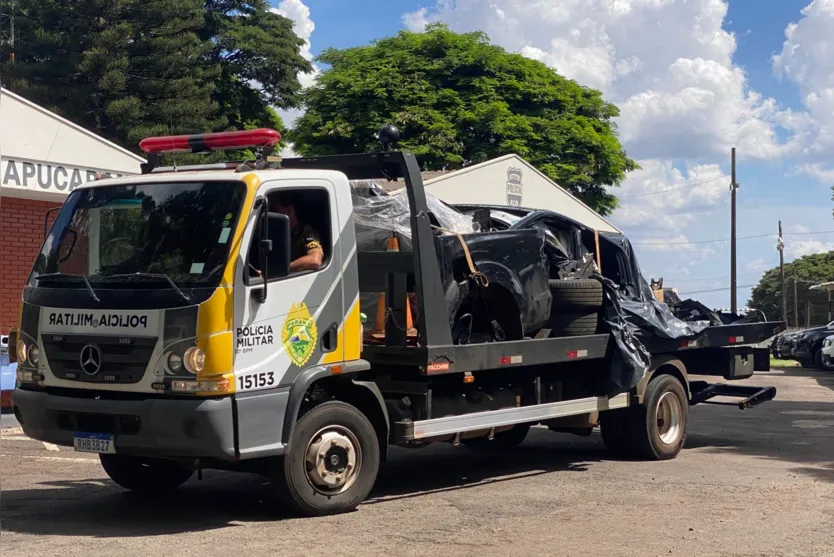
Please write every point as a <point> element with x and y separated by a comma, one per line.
<point>154,427</point>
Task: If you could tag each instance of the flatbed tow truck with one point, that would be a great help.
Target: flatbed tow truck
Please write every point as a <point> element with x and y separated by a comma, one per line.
<point>161,328</point>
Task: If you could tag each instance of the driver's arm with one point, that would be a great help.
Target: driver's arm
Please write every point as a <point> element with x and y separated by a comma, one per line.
<point>314,257</point>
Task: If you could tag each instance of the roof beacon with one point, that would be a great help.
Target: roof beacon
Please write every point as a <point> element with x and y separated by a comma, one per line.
<point>200,143</point>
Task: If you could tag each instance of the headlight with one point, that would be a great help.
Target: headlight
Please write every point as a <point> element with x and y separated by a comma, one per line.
<point>34,356</point>
<point>21,351</point>
<point>195,360</point>
<point>174,362</point>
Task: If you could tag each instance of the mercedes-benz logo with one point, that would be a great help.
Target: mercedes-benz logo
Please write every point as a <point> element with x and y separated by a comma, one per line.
<point>90,359</point>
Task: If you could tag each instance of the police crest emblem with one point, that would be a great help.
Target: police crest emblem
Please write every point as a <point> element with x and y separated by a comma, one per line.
<point>300,334</point>
<point>514,187</point>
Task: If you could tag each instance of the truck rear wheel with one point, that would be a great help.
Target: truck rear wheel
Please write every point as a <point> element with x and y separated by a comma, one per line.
<point>146,476</point>
<point>332,462</point>
<point>655,430</point>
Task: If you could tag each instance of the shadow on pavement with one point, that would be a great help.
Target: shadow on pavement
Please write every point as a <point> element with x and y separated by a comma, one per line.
<point>96,507</point>
<point>823,378</point>
<point>797,432</point>
<point>800,432</point>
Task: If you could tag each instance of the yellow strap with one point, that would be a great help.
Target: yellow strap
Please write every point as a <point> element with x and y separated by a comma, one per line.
<point>475,274</point>
<point>599,259</point>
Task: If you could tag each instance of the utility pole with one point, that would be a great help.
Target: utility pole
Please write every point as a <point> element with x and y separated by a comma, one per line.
<point>780,245</point>
<point>733,278</point>
<point>795,301</point>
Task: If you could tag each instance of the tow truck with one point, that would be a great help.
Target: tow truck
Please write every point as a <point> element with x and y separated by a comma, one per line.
<point>162,329</point>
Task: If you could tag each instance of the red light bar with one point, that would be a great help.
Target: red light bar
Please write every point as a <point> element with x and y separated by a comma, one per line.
<point>243,139</point>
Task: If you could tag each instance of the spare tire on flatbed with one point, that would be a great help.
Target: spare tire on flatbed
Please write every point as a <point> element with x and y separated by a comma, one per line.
<point>575,294</point>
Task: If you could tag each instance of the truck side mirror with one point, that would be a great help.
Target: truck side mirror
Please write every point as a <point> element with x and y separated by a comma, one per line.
<point>278,236</point>
<point>273,249</point>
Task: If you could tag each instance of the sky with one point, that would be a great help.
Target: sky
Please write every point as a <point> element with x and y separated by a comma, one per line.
<point>692,80</point>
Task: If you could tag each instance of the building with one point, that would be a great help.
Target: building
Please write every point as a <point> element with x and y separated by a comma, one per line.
<point>43,157</point>
<point>511,181</point>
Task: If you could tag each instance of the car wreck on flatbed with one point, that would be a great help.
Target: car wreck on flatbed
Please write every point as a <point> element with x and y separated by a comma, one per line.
<point>194,346</point>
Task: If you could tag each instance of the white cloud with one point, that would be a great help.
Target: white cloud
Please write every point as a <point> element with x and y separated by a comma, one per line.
<point>666,64</point>
<point>798,248</point>
<point>663,197</point>
<point>757,264</point>
<point>806,60</point>
<point>299,13</point>
<point>816,170</point>
<point>417,20</point>
<point>677,243</point>
<point>303,25</point>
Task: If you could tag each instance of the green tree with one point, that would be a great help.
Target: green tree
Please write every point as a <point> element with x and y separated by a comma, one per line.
<point>260,58</point>
<point>808,270</point>
<point>459,100</point>
<point>128,69</point>
<point>124,69</point>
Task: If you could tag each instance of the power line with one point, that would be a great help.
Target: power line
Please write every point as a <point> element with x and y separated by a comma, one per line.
<point>728,239</point>
<point>713,290</point>
<point>710,278</point>
<point>658,192</point>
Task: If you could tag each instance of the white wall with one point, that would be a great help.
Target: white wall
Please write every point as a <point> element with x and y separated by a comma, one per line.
<point>488,184</point>
<point>43,156</point>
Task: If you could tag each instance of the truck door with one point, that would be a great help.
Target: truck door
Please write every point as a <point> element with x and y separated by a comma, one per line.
<point>298,325</point>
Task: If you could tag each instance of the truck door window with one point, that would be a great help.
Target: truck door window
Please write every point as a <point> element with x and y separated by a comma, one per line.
<point>311,236</point>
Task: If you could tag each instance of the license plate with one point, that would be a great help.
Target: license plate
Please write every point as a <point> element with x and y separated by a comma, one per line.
<point>94,443</point>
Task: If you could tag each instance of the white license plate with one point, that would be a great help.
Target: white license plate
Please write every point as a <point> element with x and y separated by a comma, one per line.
<point>94,443</point>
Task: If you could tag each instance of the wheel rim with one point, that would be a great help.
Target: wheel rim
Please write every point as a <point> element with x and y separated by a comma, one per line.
<point>669,418</point>
<point>333,460</point>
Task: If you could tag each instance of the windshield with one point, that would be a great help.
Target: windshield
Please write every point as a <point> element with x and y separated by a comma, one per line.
<point>182,230</point>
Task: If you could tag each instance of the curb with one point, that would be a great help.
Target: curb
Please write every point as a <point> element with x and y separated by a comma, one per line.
<point>11,431</point>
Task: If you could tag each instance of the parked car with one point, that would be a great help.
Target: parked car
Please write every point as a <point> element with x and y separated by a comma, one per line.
<point>783,346</point>
<point>828,352</point>
<point>808,349</point>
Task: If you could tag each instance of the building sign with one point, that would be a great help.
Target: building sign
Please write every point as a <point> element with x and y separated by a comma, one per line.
<point>514,187</point>
<point>46,177</point>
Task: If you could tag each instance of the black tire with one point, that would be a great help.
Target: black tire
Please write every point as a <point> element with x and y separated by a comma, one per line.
<point>145,476</point>
<point>503,440</point>
<point>638,434</point>
<point>820,363</point>
<point>292,479</point>
<point>573,324</point>
<point>576,294</point>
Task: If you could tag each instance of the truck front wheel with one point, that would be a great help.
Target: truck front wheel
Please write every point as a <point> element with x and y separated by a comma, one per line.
<point>332,461</point>
<point>146,476</point>
<point>655,430</point>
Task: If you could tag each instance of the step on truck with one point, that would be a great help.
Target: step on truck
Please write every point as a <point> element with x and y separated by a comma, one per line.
<point>164,327</point>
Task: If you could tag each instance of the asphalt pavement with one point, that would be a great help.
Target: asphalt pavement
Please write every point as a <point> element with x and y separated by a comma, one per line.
<point>749,483</point>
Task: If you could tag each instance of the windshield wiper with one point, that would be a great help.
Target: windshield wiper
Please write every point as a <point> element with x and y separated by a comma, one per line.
<point>68,275</point>
<point>160,276</point>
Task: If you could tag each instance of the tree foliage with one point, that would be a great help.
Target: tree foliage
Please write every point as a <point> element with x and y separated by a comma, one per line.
<point>259,56</point>
<point>808,270</point>
<point>459,100</point>
<point>127,69</point>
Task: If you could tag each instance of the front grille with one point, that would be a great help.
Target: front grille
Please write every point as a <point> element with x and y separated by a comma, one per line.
<point>123,359</point>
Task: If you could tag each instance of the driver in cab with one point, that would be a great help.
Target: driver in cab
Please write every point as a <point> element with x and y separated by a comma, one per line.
<point>307,252</point>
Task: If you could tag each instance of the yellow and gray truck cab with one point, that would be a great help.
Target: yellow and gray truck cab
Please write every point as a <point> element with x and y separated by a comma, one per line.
<point>162,328</point>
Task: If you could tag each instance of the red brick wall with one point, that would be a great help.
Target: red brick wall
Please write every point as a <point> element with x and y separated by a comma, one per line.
<point>21,233</point>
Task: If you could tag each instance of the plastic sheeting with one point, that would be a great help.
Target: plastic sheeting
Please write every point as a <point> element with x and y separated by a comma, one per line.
<point>632,314</point>
<point>377,215</point>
